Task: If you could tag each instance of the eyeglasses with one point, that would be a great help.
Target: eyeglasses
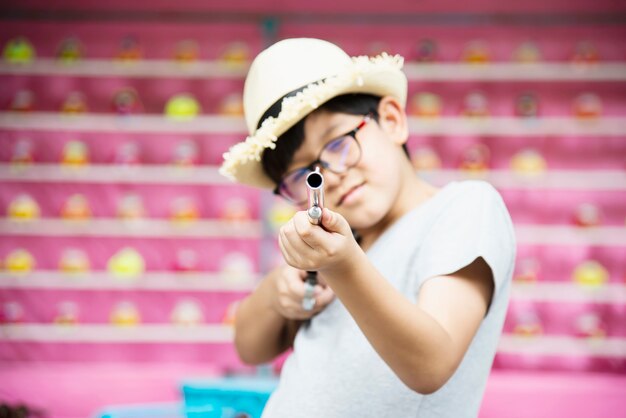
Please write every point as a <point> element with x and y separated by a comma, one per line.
<point>337,156</point>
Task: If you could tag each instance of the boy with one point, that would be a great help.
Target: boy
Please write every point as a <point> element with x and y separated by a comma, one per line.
<point>413,280</point>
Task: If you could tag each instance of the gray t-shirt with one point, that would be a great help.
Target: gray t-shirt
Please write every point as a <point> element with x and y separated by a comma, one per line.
<point>333,370</point>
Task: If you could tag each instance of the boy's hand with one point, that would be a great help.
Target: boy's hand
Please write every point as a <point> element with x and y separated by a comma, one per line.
<point>289,292</point>
<point>326,248</point>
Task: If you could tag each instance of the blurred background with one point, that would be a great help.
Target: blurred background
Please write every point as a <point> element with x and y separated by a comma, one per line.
<point>123,253</point>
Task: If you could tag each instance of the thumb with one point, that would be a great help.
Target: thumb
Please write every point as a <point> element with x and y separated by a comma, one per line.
<point>334,222</point>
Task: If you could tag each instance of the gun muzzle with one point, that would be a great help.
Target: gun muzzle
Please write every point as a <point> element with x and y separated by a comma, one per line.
<point>315,190</point>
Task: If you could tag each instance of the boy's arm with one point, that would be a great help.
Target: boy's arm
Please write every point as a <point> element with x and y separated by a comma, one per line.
<point>266,322</point>
<point>423,342</point>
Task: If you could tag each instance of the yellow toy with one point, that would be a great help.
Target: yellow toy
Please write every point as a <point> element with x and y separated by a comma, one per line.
<point>23,207</point>
<point>19,261</point>
<point>182,106</point>
<point>126,263</point>
<point>528,161</point>
<point>279,213</point>
<point>19,51</point>
<point>590,273</point>
<point>75,153</point>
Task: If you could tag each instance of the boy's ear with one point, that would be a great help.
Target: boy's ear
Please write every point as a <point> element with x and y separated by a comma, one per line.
<point>393,119</point>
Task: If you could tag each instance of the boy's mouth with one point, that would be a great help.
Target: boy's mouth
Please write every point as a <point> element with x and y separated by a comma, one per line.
<point>347,195</point>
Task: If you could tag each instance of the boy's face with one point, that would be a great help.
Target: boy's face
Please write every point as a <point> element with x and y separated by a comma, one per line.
<point>367,193</point>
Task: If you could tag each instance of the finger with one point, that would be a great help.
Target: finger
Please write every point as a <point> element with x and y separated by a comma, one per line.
<point>321,281</point>
<point>292,247</point>
<point>282,242</point>
<point>334,222</point>
<point>292,256</point>
<point>303,228</point>
<point>291,307</point>
<point>294,239</point>
<point>312,235</point>
<point>324,297</point>
<point>296,289</point>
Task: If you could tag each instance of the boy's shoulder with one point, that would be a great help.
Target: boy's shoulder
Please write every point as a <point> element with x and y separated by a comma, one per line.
<point>475,187</point>
<point>470,192</point>
<point>467,201</point>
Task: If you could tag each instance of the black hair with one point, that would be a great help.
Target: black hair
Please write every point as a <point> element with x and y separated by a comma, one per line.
<point>275,161</point>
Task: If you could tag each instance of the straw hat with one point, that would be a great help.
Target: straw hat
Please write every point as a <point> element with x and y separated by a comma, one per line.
<point>318,70</point>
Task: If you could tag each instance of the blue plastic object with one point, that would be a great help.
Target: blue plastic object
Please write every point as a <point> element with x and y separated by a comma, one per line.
<point>166,410</point>
<point>234,396</point>
<point>152,410</point>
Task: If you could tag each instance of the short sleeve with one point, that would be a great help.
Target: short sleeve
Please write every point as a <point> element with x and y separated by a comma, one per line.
<point>474,223</point>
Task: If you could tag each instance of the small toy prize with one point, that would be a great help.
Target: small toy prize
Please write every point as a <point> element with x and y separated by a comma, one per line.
<point>75,153</point>
<point>74,261</point>
<point>425,159</point>
<point>126,263</point>
<point>76,207</point>
<point>182,106</point>
<point>19,50</point>
<point>125,314</point>
<point>19,261</point>
<point>23,207</point>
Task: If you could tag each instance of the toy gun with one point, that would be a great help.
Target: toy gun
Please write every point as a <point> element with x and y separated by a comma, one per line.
<point>315,191</point>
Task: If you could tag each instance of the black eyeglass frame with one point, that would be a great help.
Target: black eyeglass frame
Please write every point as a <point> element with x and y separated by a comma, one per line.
<point>318,161</point>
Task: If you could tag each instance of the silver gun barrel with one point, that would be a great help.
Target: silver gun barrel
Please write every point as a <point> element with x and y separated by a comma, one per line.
<point>315,191</point>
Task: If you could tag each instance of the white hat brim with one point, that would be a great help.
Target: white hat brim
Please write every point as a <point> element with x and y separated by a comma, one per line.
<point>381,76</point>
